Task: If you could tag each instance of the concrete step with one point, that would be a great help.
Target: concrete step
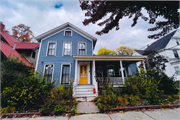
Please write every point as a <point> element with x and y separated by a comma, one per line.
<point>84,92</point>
<point>83,95</point>
<point>85,86</point>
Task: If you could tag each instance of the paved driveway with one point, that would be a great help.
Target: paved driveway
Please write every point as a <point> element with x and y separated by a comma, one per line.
<point>168,114</point>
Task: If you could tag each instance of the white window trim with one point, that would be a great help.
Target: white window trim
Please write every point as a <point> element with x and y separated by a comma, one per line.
<point>52,70</point>
<point>70,49</point>
<point>175,69</point>
<point>48,47</point>
<point>65,33</point>
<point>85,48</point>
<point>62,71</point>
<point>113,69</point>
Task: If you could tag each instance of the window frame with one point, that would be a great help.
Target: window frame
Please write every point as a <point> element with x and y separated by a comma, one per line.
<point>67,31</point>
<point>61,73</point>
<point>47,50</point>
<point>178,41</point>
<point>52,70</point>
<point>64,48</point>
<point>175,68</point>
<point>176,54</point>
<point>79,48</point>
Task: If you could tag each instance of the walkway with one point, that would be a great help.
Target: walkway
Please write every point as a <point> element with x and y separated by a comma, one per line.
<point>167,114</point>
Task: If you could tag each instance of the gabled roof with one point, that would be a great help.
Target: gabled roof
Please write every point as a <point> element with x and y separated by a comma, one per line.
<point>10,39</point>
<point>63,26</point>
<point>26,45</point>
<point>8,50</point>
<point>140,51</point>
<point>161,43</point>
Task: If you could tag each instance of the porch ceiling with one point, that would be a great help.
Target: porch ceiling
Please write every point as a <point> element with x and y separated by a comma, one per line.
<point>108,57</point>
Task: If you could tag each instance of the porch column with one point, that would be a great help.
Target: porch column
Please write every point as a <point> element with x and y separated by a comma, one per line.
<point>94,79</point>
<point>144,65</point>
<point>122,73</point>
<point>75,76</point>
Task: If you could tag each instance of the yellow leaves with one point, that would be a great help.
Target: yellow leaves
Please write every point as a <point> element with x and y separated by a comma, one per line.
<point>122,50</point>
<point>105,51</point>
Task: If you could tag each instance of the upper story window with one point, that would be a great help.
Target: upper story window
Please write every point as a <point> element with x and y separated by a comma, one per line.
<point>48,72</point>
<point>68,33</point>
<point>177,70</point>
<point>82,48</point>
<point>51,49</point>
<point>67,49</point>
<point>175,54</point>
<point>177,41</point>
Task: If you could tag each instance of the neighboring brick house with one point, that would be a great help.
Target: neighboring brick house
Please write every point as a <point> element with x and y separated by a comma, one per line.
<point>14,47</point>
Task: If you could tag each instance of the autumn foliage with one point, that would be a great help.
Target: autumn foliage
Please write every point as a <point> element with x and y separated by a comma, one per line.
<point>23,33</point>
<point>122,50</point>
<point>117,10</point>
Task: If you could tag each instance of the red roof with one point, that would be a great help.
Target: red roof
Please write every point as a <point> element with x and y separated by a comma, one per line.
<point>26,45</point>
<point>8,50</point>
<point>10,39</point>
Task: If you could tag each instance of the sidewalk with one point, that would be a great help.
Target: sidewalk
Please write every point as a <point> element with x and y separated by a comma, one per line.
<point>158,114</point>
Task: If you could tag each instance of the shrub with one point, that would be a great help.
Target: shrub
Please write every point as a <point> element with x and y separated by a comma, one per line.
<point>27,94</point>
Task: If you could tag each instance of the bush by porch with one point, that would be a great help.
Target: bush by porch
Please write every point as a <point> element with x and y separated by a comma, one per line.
<point>145,88</point>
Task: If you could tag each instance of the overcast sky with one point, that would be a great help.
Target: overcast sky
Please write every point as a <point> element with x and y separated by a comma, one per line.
<point>44,15</point>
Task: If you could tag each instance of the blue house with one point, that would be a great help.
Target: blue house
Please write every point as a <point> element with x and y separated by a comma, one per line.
<point>66,52</point>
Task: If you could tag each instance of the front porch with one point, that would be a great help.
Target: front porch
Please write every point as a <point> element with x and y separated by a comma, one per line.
<point>94,71</point>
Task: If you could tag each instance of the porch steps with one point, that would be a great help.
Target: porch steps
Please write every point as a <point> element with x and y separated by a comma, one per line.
<point>84,91</point>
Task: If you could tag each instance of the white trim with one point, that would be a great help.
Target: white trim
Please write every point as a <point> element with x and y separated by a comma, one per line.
<point>65,25</point>
<point>48,48</point>
<point>61,70</point>
<point>38,56</point>
<point>85,48</point>
<point>113,70</point>
<point>63,48</point>
<point>67,31</point>
<point>52,70</point>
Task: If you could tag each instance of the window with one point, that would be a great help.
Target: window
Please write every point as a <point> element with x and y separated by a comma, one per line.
<point>177,71</point>
<point>33,54</point>
<point>51,49</point>
<point>67,49</point>
<point>65,74</point>
<point>177,41</point>
<point>68,33</point>
<point>48,71</point>
<point>110,71</point>
<point>82,49</point>
<point>175,54</point>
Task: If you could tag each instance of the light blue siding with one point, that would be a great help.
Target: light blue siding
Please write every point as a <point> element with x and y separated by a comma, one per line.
<point>133,68</point>
<point>58,59</point>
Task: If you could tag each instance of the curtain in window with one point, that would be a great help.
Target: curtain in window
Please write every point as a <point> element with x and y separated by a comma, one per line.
<point>65,74</point>
<point>67,48</point>
<point>82,48</point>
<point>48,71</point>
<point>51,49</point>
<point>110,71</point>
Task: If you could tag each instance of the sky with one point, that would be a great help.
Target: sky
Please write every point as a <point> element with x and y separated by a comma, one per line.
<point>44,15</point>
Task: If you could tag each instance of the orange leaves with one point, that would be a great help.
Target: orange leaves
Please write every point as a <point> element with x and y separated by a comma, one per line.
<point>23,33</point>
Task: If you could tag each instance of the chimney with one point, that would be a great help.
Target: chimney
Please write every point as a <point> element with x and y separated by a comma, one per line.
<point>2,26</point>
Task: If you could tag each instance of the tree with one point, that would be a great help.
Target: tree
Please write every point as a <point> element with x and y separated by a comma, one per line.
<point>122,50</point>
<point>23,33</point>
<point>96,10</point>
<point>104,51</point>
<point>154,60</point>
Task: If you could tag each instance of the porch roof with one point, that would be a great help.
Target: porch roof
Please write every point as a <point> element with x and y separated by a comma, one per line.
<point>108,57</point>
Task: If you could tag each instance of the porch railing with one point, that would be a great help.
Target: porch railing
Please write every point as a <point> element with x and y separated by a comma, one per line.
<point>102,81</point>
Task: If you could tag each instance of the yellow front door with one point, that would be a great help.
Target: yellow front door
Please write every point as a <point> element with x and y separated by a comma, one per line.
<point>83,74</point>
